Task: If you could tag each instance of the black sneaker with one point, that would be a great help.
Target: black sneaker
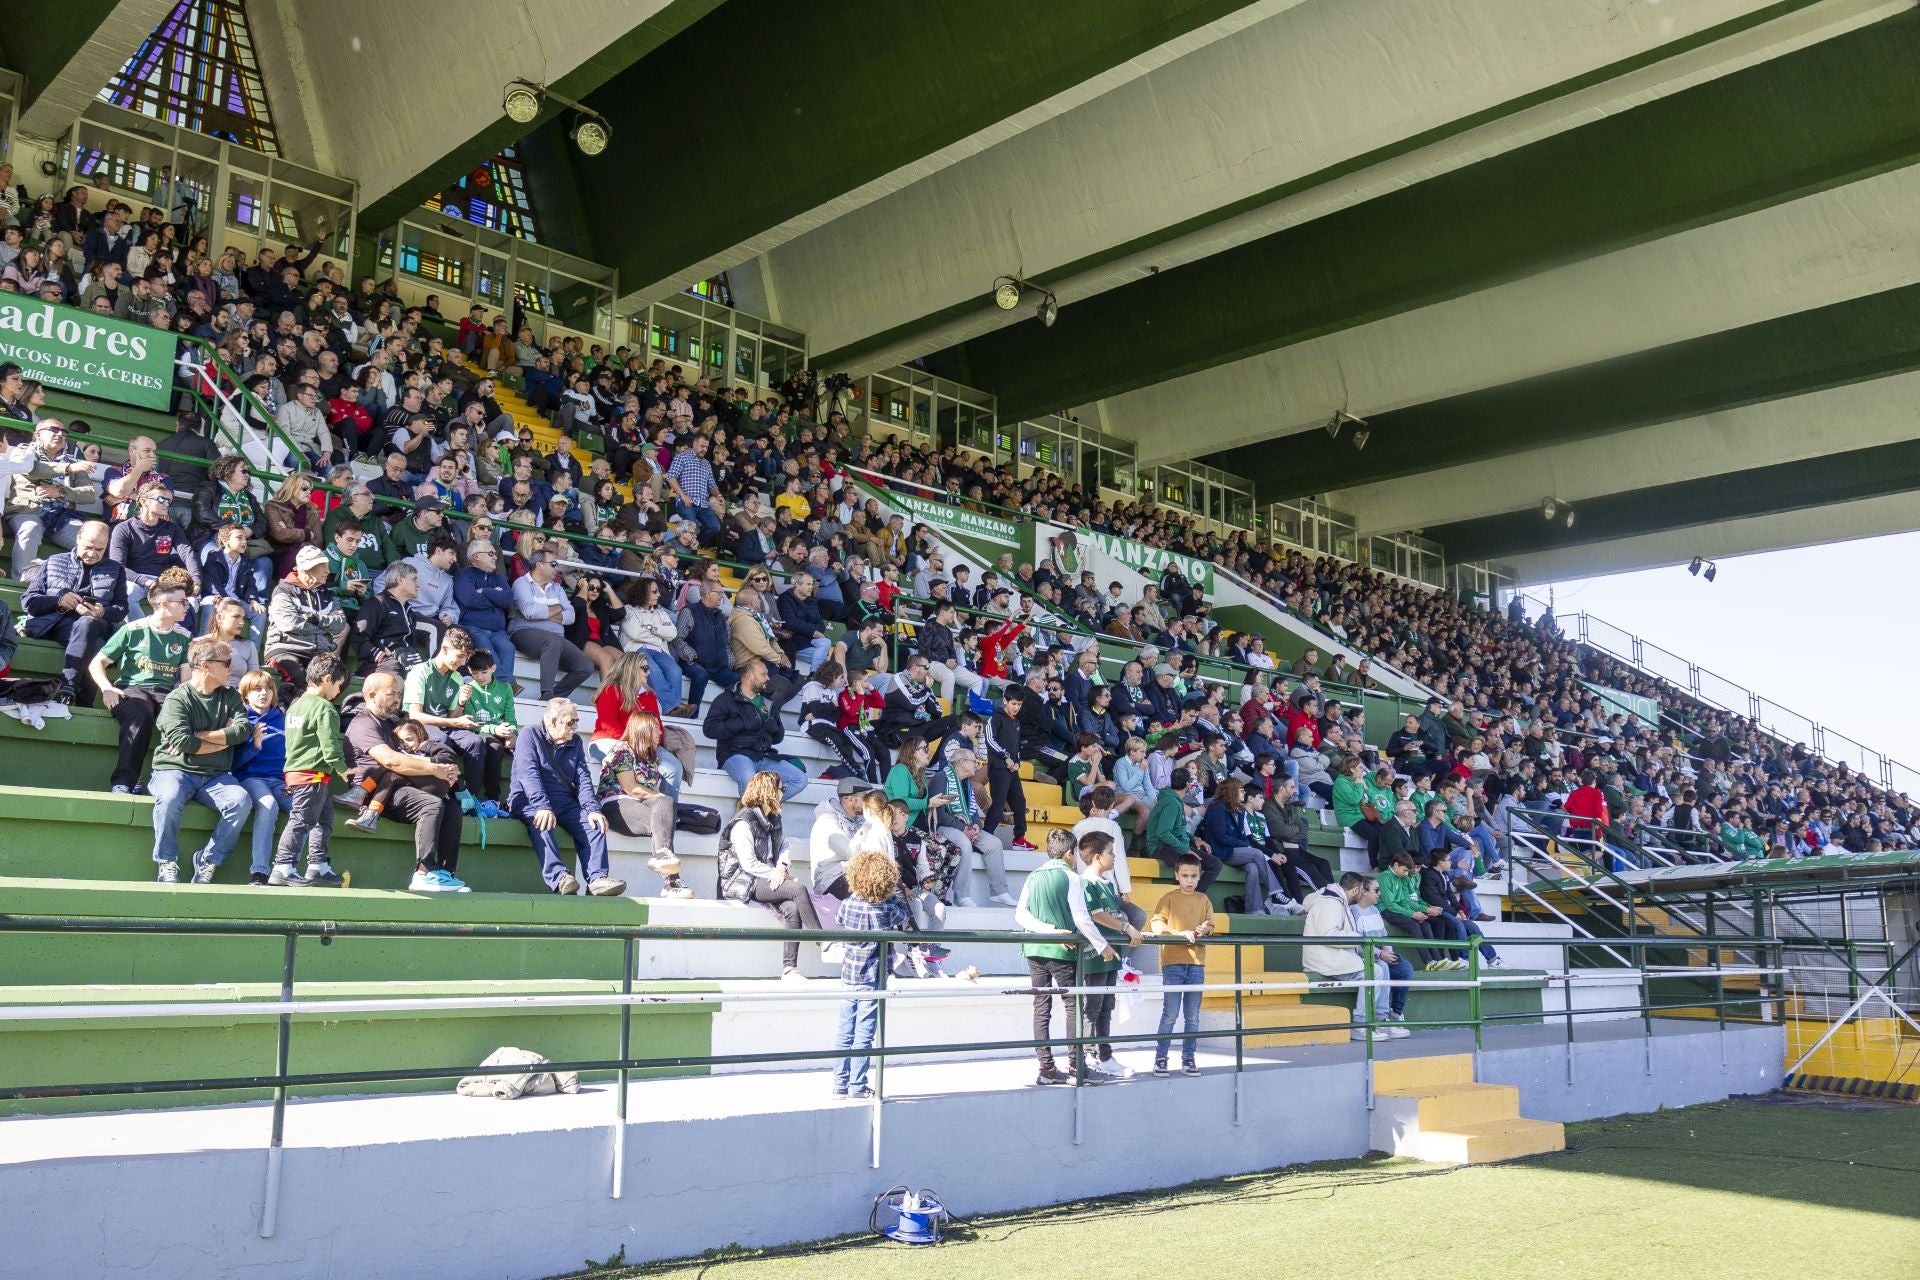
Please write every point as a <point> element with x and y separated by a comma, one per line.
<point>257,878</point>
<point>285,877</point>
<point>1050,1074</point>
<point>65,694</point>
<point>1160,1068</point>
<point>1189,1069</point>
<point>323,877</point>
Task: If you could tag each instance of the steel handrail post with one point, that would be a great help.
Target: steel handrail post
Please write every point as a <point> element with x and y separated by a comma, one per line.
<point>1239,1029</point>
<point>1368,993</point>
<point>282,1067</point>
<point>883,957</point>
<point>1075,1004</point>
<point>621,1082</point>
<point>1473,997</point>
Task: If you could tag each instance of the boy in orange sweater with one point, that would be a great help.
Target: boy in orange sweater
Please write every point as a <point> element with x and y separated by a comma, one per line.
<point>1187,912</point>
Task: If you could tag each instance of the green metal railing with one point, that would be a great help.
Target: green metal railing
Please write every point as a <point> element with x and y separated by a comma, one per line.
<point>282,1078</point>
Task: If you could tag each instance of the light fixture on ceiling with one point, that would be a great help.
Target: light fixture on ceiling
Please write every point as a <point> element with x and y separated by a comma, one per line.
<point>591,134</point>
<point>1008,290</point>
<point>1341,418</point>
<point>1361,434</point>
<point>1700,567</point>
<point>1710,571</point>
<point>1568,517</point>
<point>524,100</point>
<point>1694,567</point>
<point>1549,508</point>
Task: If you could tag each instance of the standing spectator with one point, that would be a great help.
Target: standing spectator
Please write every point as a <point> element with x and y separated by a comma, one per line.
<point>77,599</point>
<point>1096,852</point>
<point>374,752</point>
<point>148,654</point>
<point>690,477</point>
<point>200,723</point>
<point>260,765</point>
<point>754,861</point>
<point>315,756</point>
<point>1053,901</point>
<point>553,791</point>
<point>745,727</point>
<point>1184,911</point>
<point>873,905</point>
<point>542,611</point>
<point>1002,738</point>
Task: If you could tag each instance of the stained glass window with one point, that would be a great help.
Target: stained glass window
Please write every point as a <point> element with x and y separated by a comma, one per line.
<point>198,70</point>
<point>493,195</point>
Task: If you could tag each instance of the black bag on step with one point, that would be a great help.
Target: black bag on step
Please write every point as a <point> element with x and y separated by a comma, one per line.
<point>696,819</point>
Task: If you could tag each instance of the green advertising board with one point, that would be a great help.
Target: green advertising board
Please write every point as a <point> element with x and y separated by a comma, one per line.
<point>85,353</point>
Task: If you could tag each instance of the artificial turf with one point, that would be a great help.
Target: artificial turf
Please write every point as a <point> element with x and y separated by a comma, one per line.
<point>1779,1186</point>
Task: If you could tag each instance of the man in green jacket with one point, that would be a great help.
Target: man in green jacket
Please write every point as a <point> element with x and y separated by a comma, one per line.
<point>1168,835</point>
<point>1402,907</point>
<point>199,725</point>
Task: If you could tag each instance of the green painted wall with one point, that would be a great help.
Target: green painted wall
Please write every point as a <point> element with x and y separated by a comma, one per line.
<point>1832,113</point>
<point>781,108</point>
<point>80,1051</point>
<point>39,39</point>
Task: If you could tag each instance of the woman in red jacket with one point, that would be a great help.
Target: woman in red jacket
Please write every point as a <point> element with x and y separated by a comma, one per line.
<point>623,695</point>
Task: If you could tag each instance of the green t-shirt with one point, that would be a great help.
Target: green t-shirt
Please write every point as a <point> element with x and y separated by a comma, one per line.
<point>143,657</point>
<point>431,689</point>
<point>1077,771</point>
<point>347,570</point>
<point>860,657</point>
<point>1101,897</point>
<point>1047,900</point>
<point>492,703</point>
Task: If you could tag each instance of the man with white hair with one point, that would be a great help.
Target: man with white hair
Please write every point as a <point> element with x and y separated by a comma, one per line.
<point>553,791</point>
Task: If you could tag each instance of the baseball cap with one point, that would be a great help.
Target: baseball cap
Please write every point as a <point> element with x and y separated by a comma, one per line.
<point>310,558</point>
<point>854,787</point>
<point>429,503</point>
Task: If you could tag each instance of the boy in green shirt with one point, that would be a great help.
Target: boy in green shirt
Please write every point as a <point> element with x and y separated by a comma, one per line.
<point>147,654</point>
<point>351,577</point>
<point>1402,907</point>
<point>316,754</point>
<point>489,703</point>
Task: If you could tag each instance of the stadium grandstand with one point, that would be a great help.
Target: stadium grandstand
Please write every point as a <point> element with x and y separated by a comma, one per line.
<point>625,629</point>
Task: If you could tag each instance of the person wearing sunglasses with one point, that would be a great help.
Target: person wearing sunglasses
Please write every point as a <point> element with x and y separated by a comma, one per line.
<point>199,725</point>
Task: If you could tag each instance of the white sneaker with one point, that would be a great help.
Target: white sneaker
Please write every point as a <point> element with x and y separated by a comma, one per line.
<point>1116,1069</point>
<point>793,975</point>
<point>967,902</point>
<point>1395,1033</point>
<point>1496,964</point>
<point>427,882</point>
<point>832,952</point>
<point>1004,900</point>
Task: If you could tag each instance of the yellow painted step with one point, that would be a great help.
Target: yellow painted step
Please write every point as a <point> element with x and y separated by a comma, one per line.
<point>1509,1139</point>
<point>1280,1016</point>
<point>1053,815</point>
<point>1262,1000</point>
<point>1419,1074</point>
<point>1147,869</point>
<point>1047,795</point>
<point>1452,1106</point>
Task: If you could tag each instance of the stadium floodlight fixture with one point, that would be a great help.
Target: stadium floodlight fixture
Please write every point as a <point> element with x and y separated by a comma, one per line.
<point>1694,568</point>
<point>1549,508</point>
<point>1341,418</point>
<point>591,133</point>
<point>1711,569</point>
<point>1006,292</point>
<point>522,101</point>
<point>1049,309</point>
<point>1361,434</point>
<point>1567,515</point>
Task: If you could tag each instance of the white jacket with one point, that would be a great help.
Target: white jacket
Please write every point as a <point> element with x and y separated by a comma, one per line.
<point>648,629</point>
<point>1329,915</point>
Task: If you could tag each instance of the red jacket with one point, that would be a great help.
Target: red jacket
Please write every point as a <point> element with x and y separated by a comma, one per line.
<point>1588,803</point>
<point>994,643</point>
<point>610,717</point>
<point>1298,720</point>
<point>859,710</point>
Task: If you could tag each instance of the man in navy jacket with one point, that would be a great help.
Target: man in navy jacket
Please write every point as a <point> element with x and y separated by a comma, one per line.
<point>552,792</point>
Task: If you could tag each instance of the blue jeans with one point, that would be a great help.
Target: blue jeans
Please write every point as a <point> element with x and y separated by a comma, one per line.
<point>589,845</point>
<point>813,652</point>
<point>664,678</point>
<point>698,678</point>
<point>857,1019</point>
<point>269,801</point>
<point>173,790</point>
<point>1261,879</point>
<point>702,515</point>
<point>500,645</point>
<point>742,768</point>
<point>1399,971</point>
<point>1180,1004</point>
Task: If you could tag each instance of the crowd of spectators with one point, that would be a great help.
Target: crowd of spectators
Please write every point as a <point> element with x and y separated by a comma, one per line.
<point>421,541</point>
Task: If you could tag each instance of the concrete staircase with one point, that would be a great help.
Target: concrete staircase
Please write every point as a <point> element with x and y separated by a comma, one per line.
<point>1432,1109</point>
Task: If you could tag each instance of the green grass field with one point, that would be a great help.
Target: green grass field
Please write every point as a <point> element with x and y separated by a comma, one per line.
<point>1781,1186</point>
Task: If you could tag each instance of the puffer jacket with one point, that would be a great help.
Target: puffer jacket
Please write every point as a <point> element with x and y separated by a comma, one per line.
<point>736,878</point>
<point>301,622</point>
<point>738,728</point>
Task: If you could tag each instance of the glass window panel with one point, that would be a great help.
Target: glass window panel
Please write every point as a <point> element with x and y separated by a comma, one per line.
<point>198,70</point>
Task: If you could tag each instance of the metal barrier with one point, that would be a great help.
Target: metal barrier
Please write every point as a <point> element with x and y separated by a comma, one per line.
<point>1365,1018</point>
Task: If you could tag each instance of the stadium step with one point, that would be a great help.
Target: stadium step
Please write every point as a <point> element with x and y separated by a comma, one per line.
<point>1431,1108</point>
<point>1283,1024</point>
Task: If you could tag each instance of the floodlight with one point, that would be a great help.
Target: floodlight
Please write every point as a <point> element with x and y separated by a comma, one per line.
<point>1006,293</point>
<point>591,135</point>
<point>1694,568</point>
<point>1049,308</point>
<point>1549,509</point>
<point>522,103</point>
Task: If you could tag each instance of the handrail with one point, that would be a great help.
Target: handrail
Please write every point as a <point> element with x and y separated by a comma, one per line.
<point>1273,601</point>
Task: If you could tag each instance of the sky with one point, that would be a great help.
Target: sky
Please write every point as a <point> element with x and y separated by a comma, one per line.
<point>1828,632</point>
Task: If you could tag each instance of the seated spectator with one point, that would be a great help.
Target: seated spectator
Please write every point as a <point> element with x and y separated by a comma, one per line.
<point>1403,908</point>
<point>304,620</point>
<point>148,654</point>
<point>1224,827</point>
<point>745,727</point>
<point>911,707</point>
<point>485,602</point>
<point>77,599</point>
<point>1352,802</point>
<point>649,628</point>
<point>1168,836</point>
<point>542,611</point>
<point>387,635</point>
<point>46,500</point>
<point>1331,914</point>
<point>149,544</point>
<point>754,860</point>
<point>553,791</point>
<point>638,797</point>
<point>376,757</point>
<point>830,841</point>
<point>228,575</point>
<point>293,521</point>
<point>199,724</point>
<point>434,607</point>
<point>962,822</point>
<point>260,761</point>
<point>434,695</point>
<point>703,627</point>
<point>625,694</point>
